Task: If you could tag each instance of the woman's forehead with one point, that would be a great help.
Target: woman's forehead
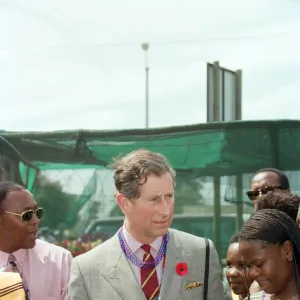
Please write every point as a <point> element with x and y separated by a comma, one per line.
<point>247,247</point>
<point>256,249</point>
<point>235,247</point>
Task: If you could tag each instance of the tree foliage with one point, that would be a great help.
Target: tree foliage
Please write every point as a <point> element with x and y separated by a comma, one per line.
<point>187,191</point>
<point>57,204</point>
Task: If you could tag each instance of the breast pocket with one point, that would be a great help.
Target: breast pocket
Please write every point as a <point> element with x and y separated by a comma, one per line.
<point>195,293</point>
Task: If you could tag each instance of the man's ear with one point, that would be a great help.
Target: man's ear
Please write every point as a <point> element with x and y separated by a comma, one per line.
<point>124,203</point>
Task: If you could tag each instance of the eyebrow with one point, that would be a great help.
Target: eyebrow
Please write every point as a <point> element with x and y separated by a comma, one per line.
<point>153,197</point>
<point>158,196</point>
<point>30,207</point>
<point>255,260</point>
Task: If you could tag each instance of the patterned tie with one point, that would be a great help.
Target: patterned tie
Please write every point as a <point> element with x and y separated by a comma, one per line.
<point>12,264</point>
<point>149,281</point>
<point>13,267</point>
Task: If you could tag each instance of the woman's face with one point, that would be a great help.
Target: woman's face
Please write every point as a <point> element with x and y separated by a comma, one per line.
<point>235,272</point>
<point>268,265</point>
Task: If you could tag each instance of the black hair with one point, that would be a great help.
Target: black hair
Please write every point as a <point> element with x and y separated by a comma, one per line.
<point>235,238</point>
<point>283,179</point>
<point>285,202</point>
<point>274,227</point>
<point>8,186</point>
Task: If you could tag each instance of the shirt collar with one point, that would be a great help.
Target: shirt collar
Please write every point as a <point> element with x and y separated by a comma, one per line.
<point>19,255</point>
<point>134,245</point>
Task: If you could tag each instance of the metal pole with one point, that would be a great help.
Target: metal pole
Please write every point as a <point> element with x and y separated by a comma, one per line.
<point>239,202</point>
<point>145,47</point>
<point>217,214</point>
<point>147,97</point>
<point>217,96</point>
<point>238,76</point>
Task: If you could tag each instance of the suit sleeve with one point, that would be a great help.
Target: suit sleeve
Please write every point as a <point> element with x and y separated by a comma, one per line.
<point>76,286</point>
<point>215,286</point>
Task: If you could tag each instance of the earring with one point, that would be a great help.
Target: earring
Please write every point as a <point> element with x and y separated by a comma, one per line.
<point>290,258</point>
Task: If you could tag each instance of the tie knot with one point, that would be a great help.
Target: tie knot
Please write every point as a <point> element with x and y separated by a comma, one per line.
<point>146,248</point>
<point>12,258</point>
<point>12,264</point>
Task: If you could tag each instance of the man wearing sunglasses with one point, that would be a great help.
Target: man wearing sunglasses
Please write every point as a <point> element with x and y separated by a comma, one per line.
<point>264,181</point>
<point>44,267</point>
<point>268,180</point>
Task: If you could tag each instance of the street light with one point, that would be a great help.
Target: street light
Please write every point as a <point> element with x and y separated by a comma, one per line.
<point>145,47</point>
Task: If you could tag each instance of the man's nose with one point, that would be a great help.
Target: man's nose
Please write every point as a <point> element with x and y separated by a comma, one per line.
<point>164,207</point>
<point>35,220</point>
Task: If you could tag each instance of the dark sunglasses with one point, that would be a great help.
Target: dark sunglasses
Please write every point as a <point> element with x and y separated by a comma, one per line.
<point>252,195</point>
<point>27,215</point>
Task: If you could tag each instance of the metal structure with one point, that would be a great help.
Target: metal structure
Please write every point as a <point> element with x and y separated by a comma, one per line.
<point>145,47</point>
<point>224,103</point>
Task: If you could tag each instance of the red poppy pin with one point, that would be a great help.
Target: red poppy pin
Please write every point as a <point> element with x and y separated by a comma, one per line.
<point>182,269</point>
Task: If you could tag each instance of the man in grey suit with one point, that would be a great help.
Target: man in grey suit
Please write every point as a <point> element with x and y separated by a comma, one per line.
<point>146,260</point>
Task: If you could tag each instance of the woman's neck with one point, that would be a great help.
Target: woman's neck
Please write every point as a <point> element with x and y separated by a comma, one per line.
<point>288,293</point>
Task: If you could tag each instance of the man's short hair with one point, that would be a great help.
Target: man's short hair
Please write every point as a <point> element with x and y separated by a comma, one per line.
<point>131,171</point>
<point>283,179</point>
<point>285,202</point>
<point>8,186</point>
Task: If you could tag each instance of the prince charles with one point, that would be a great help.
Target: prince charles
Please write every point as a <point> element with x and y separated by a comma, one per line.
<point>145,259</point>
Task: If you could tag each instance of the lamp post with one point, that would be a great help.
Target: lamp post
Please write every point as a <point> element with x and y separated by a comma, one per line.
<point>145,47</point>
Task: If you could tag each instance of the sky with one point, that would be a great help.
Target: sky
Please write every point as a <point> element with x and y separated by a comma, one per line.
<point>79,64</point>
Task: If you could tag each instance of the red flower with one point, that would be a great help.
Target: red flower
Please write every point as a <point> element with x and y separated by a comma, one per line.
<point>182,269</point>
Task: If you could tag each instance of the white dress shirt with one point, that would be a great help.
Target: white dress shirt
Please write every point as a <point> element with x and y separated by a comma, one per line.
<point>135,247</point>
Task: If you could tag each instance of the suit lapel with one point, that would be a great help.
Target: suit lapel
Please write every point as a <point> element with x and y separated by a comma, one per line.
<point>171,282</point>
<point>119,274</point>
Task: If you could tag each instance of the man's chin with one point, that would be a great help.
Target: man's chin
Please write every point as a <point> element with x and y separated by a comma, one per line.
<point>29,244</point>
<point>161,232</point>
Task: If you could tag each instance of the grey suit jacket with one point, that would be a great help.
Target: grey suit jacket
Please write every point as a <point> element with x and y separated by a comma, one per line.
<point>104,273</point>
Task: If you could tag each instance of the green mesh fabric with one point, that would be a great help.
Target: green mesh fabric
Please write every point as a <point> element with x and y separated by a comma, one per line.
<point>68,171</point>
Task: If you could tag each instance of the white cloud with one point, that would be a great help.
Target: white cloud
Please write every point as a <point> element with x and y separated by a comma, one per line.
<point>55,72</point>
